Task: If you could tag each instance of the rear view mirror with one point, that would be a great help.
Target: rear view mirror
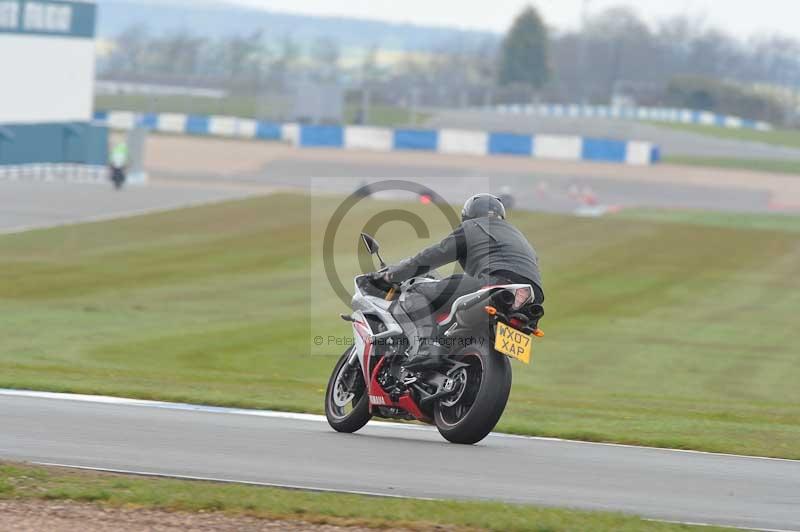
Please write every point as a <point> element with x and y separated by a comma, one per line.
<point>370,243</point>
<point>372,247</point>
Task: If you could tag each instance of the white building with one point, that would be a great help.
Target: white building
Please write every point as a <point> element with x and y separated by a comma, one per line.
<point>47,66</point>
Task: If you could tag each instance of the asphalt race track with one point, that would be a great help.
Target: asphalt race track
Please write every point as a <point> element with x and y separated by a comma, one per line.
<point>32,205</point>
<point>302,451</point>
<point>540,192</point>
<point>538,184</point>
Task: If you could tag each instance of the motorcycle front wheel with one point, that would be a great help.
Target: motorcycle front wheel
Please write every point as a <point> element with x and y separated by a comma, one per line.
<point>346,399</point>
<point>482,390</point>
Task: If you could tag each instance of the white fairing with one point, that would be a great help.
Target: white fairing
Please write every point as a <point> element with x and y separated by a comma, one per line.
<point>363,335</point>
<point>378,307</point>
<point>362,341</point>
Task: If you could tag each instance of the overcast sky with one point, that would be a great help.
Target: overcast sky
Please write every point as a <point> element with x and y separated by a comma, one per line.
<point>741,17</point>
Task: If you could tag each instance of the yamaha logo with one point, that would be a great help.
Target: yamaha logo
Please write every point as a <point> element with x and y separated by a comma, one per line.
<point>377,400</point>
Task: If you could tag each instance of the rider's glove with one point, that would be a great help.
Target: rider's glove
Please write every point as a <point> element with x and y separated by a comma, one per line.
<point>382,275</point>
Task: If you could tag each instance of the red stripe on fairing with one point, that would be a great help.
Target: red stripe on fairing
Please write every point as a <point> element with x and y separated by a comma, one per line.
<point>373,384</point>
<point>363,331</point>
<point>405,402</point>
<point>365,362</point>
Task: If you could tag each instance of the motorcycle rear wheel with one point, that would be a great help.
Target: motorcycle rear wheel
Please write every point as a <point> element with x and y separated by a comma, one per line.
<point>337,399</point>
<point>478,407</point>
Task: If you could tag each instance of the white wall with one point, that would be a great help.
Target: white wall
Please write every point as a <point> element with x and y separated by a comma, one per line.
<point>45,78</point>
<point>368,138</point>
<point>463,142</point>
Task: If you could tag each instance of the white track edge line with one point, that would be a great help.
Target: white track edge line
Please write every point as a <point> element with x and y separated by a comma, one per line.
<point>350,492</point>
<point>122,401</point>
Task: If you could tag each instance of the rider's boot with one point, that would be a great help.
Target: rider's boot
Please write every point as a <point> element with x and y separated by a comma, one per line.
<point>428,351</point>
<point>419,327</point>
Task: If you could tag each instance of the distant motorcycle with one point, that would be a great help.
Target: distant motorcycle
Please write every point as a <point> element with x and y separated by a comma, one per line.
<point>463,393</point>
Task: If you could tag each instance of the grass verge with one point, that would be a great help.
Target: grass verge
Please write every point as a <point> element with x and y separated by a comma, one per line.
<point>246,107</point>
<point>775,166</point>
<point>736,220</point>
<point>34,482</point>
<point>778,137</point>
<point>663,334</point>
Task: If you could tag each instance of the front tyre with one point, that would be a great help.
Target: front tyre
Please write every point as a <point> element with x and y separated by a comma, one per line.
<point>482,387</point>
<point>346,399</point>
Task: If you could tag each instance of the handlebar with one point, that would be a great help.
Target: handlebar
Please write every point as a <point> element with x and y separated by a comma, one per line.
<point>379,280</point>
<point>374,284</point>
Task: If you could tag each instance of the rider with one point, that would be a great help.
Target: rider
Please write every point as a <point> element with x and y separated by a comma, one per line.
<point>490,250</point>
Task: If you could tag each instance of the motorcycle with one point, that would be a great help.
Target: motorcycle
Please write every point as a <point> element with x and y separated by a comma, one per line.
<point>463,393</point>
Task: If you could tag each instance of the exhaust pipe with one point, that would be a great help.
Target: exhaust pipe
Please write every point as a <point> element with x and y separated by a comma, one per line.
<point>471,312</point>
<point>504,298</point>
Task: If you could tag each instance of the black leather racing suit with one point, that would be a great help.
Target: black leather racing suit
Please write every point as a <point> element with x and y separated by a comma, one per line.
<point>490,251</point>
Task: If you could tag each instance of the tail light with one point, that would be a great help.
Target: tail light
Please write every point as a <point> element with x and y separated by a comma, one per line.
<point>521,297</point>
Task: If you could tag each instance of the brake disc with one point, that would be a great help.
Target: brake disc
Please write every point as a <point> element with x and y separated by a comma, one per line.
<point>459,378</point>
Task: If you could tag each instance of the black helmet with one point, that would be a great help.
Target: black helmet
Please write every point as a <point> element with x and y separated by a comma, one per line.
<point>482,206</point>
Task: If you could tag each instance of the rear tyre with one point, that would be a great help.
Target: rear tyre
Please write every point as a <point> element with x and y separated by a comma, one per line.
<point>472,413</point>
<point>346,399</point>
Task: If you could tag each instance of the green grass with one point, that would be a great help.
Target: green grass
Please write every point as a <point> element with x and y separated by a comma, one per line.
<point>664,334</point>
<point>245,107</point>
<point>767,222</point>
<point>232,106</point>
<point>779,137</point>
<point>387,116</point>
<point>758,165</point>
<point>27,482</point>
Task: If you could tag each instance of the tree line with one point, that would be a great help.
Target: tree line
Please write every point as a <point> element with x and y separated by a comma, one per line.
<point>614,57</point>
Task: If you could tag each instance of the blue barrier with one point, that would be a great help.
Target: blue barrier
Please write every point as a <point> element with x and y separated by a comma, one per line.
<point>197,125</point>
<point>658,114</point>
<point>604,150</point>
<point>510,144</point>
<point>384,139</point>
<point>416,139</point>
<point>655,154</point>
<point>148,120</point>
<point>322,136</point>
<point>268,131</point>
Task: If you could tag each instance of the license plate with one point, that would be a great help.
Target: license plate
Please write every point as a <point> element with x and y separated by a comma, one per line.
<point>513,343</point>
